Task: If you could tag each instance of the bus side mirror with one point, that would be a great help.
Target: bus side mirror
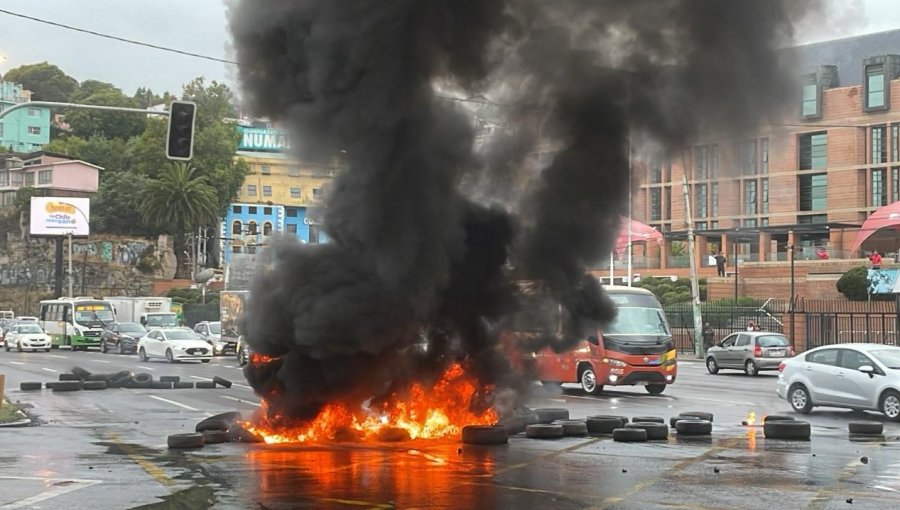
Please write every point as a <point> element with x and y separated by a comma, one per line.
<point>594,340</point>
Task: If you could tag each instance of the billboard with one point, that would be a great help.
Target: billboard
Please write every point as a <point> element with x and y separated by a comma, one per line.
<point>60,216</point>
<point>262,140</point>
<point>881,281</point>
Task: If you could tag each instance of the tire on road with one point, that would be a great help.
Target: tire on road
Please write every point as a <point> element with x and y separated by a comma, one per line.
<point>222,421</point>
<point>68,377</point>
<point>649,419</point>
<point>67,385</point>
<point>142,378</point>
<point>170,378</point>
<point>29,386</point>
<point>655,430</point>
<point>513,424</point>
<point>161,385</point>
<point>778,417</point>
<point>81,373</point>
<point>547,415</point>
<point>629,435</point>
<point>603,424</point>
<point>573,427</point>
<point>120,379</point>
<point>484,434</point>
<point>50,385</point>
<point>214,436</point>
<point>94,385</point>
<point>701,415</point>
<point>187,440</point>
<point>183,385</point>
<point>221,381</point>
<point>787,429</point>
<point>865,427</point>
<point>100,377</point>
<point>544,431</point>
<point>693,427</point>
<point>241,435</point>
<point>205,385</point>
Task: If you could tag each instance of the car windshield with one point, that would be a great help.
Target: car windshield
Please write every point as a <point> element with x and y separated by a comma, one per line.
<point>130,327</point>
<point>889,357</point>
<point>161,320</point>
<point>215,328</point>
<point>181,335</point>
<point>772,341</point>
<point>29,328</point>
<point>638,321</point>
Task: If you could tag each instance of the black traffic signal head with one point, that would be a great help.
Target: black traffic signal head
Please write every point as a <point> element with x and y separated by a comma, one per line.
<point>180,138</point>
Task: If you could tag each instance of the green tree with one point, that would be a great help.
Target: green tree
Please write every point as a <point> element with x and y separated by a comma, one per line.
<point>46,81</point>
<point>178,200</point>
<point>87,123</point>
<point>116,208</point>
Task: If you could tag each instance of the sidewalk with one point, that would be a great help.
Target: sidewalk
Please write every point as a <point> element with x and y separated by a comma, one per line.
<point>12,416</point>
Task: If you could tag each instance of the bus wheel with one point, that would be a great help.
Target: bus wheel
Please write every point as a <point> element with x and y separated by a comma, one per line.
<point>655,389</point>
<point>588,381</point>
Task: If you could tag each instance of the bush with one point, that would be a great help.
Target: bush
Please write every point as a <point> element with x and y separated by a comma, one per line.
<point>854,285</point>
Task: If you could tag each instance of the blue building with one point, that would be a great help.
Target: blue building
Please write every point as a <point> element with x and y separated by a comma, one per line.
<point>25,130</point>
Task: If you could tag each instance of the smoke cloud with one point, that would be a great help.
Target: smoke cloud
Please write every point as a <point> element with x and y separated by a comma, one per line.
<point>429,227</point>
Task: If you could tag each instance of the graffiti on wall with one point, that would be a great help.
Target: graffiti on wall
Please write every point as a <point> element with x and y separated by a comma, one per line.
<point>125,253</point>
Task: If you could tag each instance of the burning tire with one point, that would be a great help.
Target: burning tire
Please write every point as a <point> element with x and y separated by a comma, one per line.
<point>182,385</point>
<point>68,377</point>
<point>649,419</point>
<point>629,435</point>
<point>29,386</point>
<point>241,435</point>
<point>484,434</point>
<point>185,440</point>
<point>222,381</point>
<point>655,430</point>
<point>81,373</point>
<point>392,435</point>
<point>866,427</point>
<point>551,414</point>
<point>93,385</point>
<point>693,427</point>
<point>573,427</point>
<point>170,378</point>
<point>603,424</point>
<point>778,417</point>
<point>67,385</point>
<point>214,436</point>
<point>223,421</point>
<point>787,429</point>
<point>544,431</point>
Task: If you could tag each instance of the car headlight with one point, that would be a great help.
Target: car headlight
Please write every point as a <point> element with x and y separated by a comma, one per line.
<point>615,362</point>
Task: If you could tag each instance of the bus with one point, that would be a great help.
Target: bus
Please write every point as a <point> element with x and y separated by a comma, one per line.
<point>636,349</point>
<point>75,322</point>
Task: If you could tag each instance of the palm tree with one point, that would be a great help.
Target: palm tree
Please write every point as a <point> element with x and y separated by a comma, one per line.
<point>179,199</point>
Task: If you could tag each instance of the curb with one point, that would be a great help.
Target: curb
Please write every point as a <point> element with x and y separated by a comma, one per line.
<point>21,423</point>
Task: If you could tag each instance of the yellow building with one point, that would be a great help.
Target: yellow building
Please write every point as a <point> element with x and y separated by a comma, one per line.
<point>275,178</point>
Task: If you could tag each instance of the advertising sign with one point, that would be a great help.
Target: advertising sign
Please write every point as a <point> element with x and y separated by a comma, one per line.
<point>881,281</point>
<point>60,216</point>
<point>262,140</point>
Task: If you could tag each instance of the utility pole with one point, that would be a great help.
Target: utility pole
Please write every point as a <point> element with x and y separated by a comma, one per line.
<point>695,286</point>
<point>630,213</point>
<point>71,274</point>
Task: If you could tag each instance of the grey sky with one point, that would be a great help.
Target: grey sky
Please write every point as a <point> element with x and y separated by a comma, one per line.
<point>200,26</point>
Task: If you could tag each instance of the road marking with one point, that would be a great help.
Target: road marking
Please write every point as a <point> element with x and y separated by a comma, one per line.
<point>257,404</point>
<point>201,378</point>
<point>57,356</point>
<point>242,386</point>
<point>145,368</point>
<point>60,486</point>
<point>179,404</point>
<point>17,363</point>
<point>152,469</point>
<point>101,360</point>
<point>50,370</point>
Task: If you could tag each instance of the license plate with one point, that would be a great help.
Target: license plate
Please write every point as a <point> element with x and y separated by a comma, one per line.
<point>776,354</point>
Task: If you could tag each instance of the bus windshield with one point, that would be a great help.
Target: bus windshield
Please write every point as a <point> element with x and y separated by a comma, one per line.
<point>638,321</point>
<point>94,315</point>
<point>162,320</point>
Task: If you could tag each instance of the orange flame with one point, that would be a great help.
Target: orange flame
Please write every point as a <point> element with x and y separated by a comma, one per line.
<point>751,418</point>
<point>428,413</point>
<point>260,359</point>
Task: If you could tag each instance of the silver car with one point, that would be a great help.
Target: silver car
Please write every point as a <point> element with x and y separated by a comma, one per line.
<point>852,376</point>
<point>750,351</point>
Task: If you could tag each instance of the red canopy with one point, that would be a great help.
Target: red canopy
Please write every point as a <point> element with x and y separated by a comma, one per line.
<point>640,232</point>
<point>886,217</point>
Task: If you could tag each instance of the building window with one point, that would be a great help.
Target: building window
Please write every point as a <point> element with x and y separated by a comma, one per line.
<point>714,225</point>
<point>895,142</point>
<point>700,225</point>
<point>701,209</point>
<point>879,147</point>
<point>266,170</point>
<point>749,197</point>
<point>34,112</point>
<point>715,199</point>
<point>655,170</point>
<point>34,130</point>
<point>252,228</point>
<point>4,178</point>
<point>236,228</point>
<point>813,151</point>
<point>291,212</point>
<point>15,178</point>
<point>238,209</point>
<point>764,183</point>
<point>313,234</point>
<point>875,87</point>
<point>812,218</point>
<point>292,228</point>
<point>655,204</point>
<point>251,250</point>
<point>701,163</point>
<point>29,178</point>
<point>714,161</point>
<point>251,190</point>
<point>879,190</point>
<point>295,192</point>
<point>267,191</point>
<point>317,193</point>
<point>895,184</point>
<point>267,229</point>
<point>252,209</point>
<point>748,157</point>
<point>750,222</point>
<point>764,222</point>
<point>45,176</point>
<point>810,103</point>
<point>813,192</point>
<point>763,155</point>
<point>236,249</point>
<point>294,171</point>
<point>668,206</point>
<point>267,211</point>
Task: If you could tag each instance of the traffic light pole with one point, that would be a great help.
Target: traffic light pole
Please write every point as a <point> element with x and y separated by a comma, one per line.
<point>51,104</point>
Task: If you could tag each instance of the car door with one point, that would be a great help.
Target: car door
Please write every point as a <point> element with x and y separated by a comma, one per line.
<point>152,346</point>
<point>742,349</point>
<point>112,339</point>
<point>820,369</point>
<point>856,388</point>
<point>721,352</point>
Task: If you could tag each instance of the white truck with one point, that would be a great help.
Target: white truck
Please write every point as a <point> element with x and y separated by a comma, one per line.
<point>150,312</point>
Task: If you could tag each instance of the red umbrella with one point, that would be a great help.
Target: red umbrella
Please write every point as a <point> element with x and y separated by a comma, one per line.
<point>886,217</point>
<point>640,233</point>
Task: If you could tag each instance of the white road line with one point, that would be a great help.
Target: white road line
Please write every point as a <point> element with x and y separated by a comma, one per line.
<point>50,370</point>
<point>201,378</point>
<point>58,490</point>
<point>17,363</point>
<point>242,386</point>
<point>57,356</point>
<point>145,368</point>
<point>101,360</point>
<point>257,404</point>
<point>179,404</point>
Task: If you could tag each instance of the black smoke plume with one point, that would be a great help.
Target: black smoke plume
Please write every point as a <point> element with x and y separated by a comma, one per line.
<point>429,230</point>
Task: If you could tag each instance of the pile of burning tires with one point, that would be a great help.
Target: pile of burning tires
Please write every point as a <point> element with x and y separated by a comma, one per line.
<point>81,379</point>
<point>221,428</point>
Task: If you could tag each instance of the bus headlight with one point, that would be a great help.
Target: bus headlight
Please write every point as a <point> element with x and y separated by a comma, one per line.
<point>615,362</point>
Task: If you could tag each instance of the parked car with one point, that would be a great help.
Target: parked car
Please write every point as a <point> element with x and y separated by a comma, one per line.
<point>212,331</point>
<point>750,351</point>
<point>121,337</point>
<point>851,376</point>
<point>174,344</point>
<point>28,336</point>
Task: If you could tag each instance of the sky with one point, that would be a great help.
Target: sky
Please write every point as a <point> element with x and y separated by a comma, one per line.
<point>200,26</point>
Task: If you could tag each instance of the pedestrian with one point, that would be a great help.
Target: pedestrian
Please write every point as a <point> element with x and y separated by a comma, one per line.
<point>875,259</point>
<point>822,253</point>
<point>709,336</point>
<point>751,326</point>
<point>720,263</point>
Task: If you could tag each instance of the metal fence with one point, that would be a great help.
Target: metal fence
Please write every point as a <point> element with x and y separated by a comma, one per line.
<point>725,318</point>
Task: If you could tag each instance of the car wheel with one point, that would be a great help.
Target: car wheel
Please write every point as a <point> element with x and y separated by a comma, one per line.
<point>119,347</point>
<point>655,389</point>
<point>588,381</point>
<point>6,346</point>
<point>142,354</point>
<point>18,346</point>
<point>799,398</point>
<point>169,357</point>
<point>103,347</point>
<point>46,350</point>
<point>205,360</point>
<point>242,356</point>
<point>890,405</point>
<point>712,366</point>
<point>750,368</point>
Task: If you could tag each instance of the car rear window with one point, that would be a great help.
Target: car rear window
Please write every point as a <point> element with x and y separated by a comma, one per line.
<point>772,341</point>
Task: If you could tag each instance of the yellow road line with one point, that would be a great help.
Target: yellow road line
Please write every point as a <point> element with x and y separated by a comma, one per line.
<point>152,469</point>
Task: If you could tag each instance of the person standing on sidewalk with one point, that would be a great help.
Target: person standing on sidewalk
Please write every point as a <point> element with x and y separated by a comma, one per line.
<point>709,336</point>
<point>720,263</point>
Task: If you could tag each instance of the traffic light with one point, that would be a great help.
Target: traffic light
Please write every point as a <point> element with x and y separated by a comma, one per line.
<point>180,138</point>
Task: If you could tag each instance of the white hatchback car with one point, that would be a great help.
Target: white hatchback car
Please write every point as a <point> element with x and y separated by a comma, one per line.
<point>852,376</point>
<point>174,344</point>
<point>28,336</point>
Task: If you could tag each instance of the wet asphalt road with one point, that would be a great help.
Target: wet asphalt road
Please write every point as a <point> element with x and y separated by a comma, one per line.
<point>106,449</point>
